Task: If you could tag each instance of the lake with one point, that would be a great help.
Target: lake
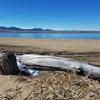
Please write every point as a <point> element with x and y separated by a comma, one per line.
<point>52,35</point>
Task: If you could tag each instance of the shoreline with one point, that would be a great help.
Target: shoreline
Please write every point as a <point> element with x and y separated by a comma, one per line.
<point>51,31</point>
<point>73,45</point>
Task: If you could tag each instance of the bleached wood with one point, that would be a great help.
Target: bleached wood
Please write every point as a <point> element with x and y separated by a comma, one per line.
<point>44,62</point>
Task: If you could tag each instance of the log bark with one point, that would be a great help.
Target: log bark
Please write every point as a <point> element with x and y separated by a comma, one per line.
<point>51,62</point>
<point>8,64</point>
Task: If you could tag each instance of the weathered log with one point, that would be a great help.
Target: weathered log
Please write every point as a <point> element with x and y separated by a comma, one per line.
<point>45,62</point>
<point>8,63</point>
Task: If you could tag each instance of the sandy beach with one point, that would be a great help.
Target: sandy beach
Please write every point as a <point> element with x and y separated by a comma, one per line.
<point>52,85</point>
<point>78,45</point>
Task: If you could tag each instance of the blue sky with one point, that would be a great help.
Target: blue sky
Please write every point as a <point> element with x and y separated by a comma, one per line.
<point>54,14</point>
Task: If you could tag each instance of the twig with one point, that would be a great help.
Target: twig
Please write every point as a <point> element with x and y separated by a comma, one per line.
<point>28,95</point>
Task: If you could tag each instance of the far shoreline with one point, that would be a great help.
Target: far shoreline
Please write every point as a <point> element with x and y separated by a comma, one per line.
<point>72,32</point>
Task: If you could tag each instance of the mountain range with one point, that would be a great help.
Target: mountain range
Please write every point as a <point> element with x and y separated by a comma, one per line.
<point>38,30</point>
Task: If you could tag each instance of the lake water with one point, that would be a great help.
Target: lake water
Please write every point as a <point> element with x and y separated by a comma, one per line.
<point>52,35</point>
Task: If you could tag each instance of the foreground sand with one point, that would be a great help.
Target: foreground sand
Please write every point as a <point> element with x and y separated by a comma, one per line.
<point>52,85</point>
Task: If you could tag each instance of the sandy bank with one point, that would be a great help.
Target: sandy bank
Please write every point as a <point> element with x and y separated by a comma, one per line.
<point>78,45</point>
<point>52,85</point>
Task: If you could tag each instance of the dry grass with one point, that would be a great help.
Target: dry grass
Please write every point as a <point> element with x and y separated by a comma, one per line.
<point>53,86</point>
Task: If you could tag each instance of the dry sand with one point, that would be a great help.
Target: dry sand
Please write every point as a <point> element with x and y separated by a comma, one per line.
<point>77,45</point>
<point>52,85</point>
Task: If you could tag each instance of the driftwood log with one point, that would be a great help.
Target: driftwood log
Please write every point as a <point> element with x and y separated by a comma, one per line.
<point>51,62</point>
<point>8,64</point>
